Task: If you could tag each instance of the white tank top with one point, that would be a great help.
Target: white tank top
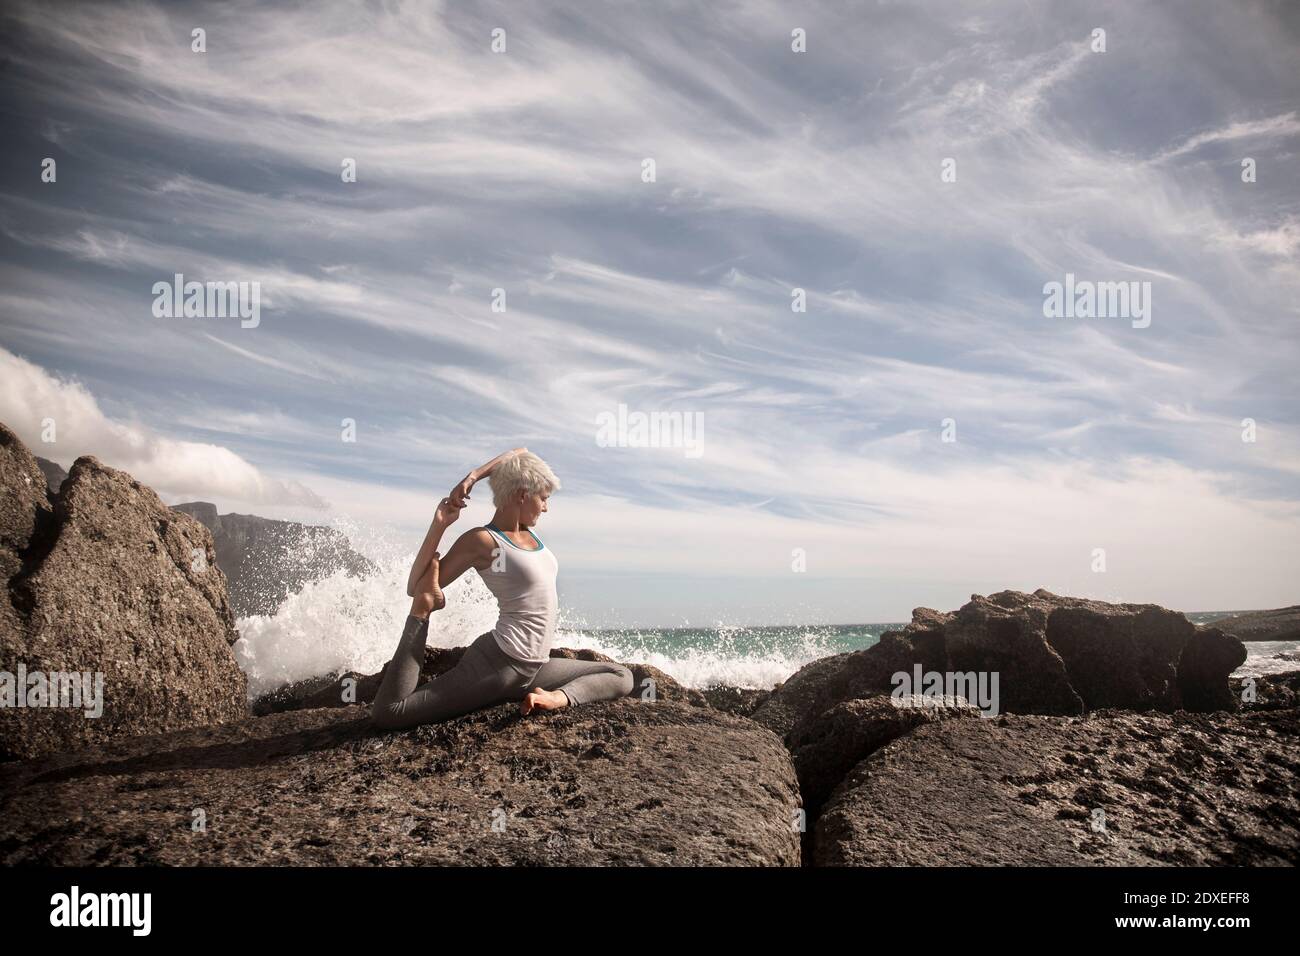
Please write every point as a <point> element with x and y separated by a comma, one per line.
<point>523,582</point>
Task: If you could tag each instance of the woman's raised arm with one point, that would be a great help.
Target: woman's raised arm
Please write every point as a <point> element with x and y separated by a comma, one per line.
<point>460,493</point>
<point>448,511</point>
<point>443,518</point>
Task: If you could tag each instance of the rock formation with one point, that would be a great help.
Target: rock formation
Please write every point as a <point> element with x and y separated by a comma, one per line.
<point>104,579</point>
<point>826,749</point>
<point>266,560</point>
<point>1054,655</point>
<point>1121,740</point>
<point>616,783</point>
<point>1112,788</point>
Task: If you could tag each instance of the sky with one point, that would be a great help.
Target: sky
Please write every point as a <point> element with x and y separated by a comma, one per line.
<point>921,431</point>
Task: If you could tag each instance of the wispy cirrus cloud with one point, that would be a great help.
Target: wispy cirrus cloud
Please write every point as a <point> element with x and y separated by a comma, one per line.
<point>521,171</point>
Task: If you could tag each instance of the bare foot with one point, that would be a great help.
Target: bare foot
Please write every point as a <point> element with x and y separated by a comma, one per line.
<point>428,595</point>
<point>540,699</point>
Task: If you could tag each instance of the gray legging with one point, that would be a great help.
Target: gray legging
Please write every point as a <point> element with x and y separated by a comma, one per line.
<point>484,676</point>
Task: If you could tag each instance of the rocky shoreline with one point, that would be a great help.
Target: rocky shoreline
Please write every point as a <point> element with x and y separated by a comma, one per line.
<point>1118,738</point>
<point>1279,624</point>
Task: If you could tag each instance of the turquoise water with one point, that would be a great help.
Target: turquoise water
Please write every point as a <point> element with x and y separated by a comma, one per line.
<point>739,656</point>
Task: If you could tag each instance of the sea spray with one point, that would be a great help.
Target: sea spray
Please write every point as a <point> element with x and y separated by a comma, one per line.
<point>723,654</point>
<point>342,623</point>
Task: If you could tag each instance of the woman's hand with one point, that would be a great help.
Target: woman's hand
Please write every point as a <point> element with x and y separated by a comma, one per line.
<point>460,494</point>
<point>448,512</point>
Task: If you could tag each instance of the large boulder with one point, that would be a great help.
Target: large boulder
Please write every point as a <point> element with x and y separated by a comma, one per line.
<point>826,749</point>
<point>1053,655</point>
<point>616,783</point>
<point>26,520</point>
<point>1006,634</point>
<point>1207,659</point>
<point>265,559</point>
<point>106,580</point>
<point>1115,789</point>
<point>821,684</point>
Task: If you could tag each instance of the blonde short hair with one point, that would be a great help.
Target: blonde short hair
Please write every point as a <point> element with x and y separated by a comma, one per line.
<point>521,471</point>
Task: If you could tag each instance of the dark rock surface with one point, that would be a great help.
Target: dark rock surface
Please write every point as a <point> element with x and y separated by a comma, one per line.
<point>1271,691</point>
<point>826,749</point>
<point>266,560</point>
<point>740,701</point>
<point>1183,789</point>
<point>26,522</point>
<point>617,783</point>
<point>817,686</point>
<point>105,578</point>
<point>1054,655</point>
<point>1280,624</point>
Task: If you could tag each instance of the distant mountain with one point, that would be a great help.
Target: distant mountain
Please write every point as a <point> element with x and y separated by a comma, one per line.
<point>54,473</point>
<point>266,560</point>
<point>1279,624</point>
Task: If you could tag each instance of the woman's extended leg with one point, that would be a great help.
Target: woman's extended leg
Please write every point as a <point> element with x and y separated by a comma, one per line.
<point>473,683</point>
<point>580,682</point>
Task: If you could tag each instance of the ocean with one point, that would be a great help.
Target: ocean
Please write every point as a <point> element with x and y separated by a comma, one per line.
<point>341,624</point>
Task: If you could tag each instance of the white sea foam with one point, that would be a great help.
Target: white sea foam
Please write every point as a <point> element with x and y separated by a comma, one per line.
<point>1269,657</point>
<point>725,662</point>
<point>342,623</point>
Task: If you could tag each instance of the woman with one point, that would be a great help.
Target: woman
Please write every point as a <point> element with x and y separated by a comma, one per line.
<point>512,661</point>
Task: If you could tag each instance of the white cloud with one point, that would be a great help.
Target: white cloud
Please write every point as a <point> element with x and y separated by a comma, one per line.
<point>30,396</point>
<point>1268,128</point>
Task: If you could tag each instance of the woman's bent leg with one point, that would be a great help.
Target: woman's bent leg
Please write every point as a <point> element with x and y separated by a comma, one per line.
<point>584,681</point>
<point>402,673</point>
<point>471,684</point>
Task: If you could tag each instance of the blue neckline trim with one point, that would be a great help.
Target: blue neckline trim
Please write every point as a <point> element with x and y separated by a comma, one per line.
<point>501,534</point>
